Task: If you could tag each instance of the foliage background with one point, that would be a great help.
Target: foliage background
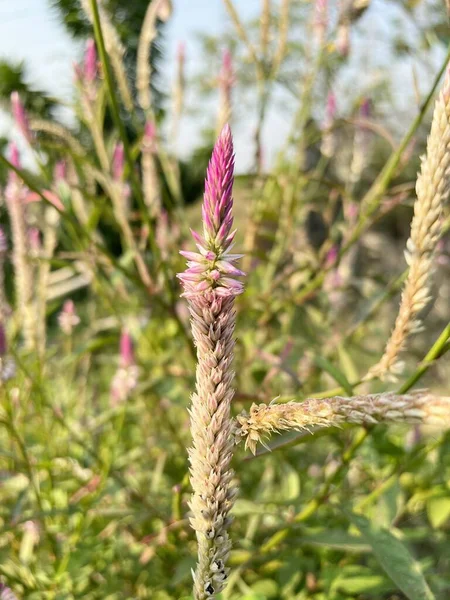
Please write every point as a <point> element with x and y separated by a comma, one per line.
<point>94,493</point>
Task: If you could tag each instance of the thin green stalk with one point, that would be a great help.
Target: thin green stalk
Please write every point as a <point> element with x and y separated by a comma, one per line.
<point>438,349</point>
<point>115,106</point>
<point>373,197</point>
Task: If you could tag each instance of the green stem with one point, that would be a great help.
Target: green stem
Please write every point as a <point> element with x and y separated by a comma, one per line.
<point>115,105</point>
<point>439,348</point>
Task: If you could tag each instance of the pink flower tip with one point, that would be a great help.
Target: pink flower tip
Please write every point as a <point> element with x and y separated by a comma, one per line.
<point>3,241</point>
<point>60,171</point>
<point>14,155</point>
<point>126,350</point>
<point>20,116</point>
<point>3,344</point>
<point>149,137</point>
<point>365,108</point>
<point>118,161</point>
<point>90,62</point>
<point>213,269</point>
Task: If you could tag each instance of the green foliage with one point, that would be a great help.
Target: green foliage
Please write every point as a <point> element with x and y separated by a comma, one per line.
<point>94,490</point>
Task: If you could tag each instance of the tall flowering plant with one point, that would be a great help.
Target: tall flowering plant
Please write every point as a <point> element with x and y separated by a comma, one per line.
<point>210,285</point>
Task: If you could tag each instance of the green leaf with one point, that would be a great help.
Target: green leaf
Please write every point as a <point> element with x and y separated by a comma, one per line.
<point>394,558</point>
<point>339,539</point>
<point>438,510</point>
<point>335,373</point>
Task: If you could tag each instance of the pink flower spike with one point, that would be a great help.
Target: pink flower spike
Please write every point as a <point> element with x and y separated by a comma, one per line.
<point>149,137</point>
<point>20,116</point>
<point>207,269</point>
<point>48,195</point>
<point>60,171</point>
<point>330,111</point>
<point>14,156</point>
<point>68,318</point>
<point>365,108</point>
<point>3,242</point>
<point>126,350</point>
<point>192,255</point>
<point>197,237</point>
<point>118,162</point>
<point>3,344</point>
<point>331,257</point>
<point>90,62</point>
<point>34,238</point>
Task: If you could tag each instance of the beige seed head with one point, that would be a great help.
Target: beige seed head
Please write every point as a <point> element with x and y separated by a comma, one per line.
<point>432,189</point>
<point>417,407</point>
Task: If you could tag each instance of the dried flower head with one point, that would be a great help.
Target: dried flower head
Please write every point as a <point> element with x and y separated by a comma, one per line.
<point>417,407</point>
<point>210,286</point>
<point>432,189</point>
<point>68,318</point>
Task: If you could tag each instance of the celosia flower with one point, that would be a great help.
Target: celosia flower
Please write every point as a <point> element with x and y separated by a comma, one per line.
<point>343,40</point>
<point>210,285</point>
<point>329,139</point>
<point>126,377</point>
<point>126,350</point>
<point>6,593</point>
<point>213,267</point>
<point>86,76</point>
<point>226,82</point>
<point>331,257</point>
<point>320,20</point>
<point>118,162</point>
<point>7,364</point>
<point>20,116</point>
<point>3,242</point>
<point>149,137</point>
<point>68,318</point>
<point>90,62</point>
<point>15,195</point>
<point>60,171</point>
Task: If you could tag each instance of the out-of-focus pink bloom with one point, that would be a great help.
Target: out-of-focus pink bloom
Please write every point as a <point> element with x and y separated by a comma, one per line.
<point>365,109</point>
<point>48,195</point>
<point>14,156</point>
<point>320,24</point>
<point>351,211</point>
<point>330,110</point>
<point>3,345</point>
<point>328,145</point>
<point>343,40</point>
<point>331,257</point>
<point>20,116</point>
<point>68,318</point>
<point>34,240</point>
<point>3,242</point>
<point>126,377</point>
<point>118,162</point>
<point>149,137</point>
<point>60,171</point>
<point>213,267</point>
<point>226,75</point>
<point>181,54</point>
<point>90,62</point>
<point>6,593</point>
<point>126,349</point>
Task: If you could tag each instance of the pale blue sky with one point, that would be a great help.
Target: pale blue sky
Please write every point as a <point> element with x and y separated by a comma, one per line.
<point>30,31</point>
